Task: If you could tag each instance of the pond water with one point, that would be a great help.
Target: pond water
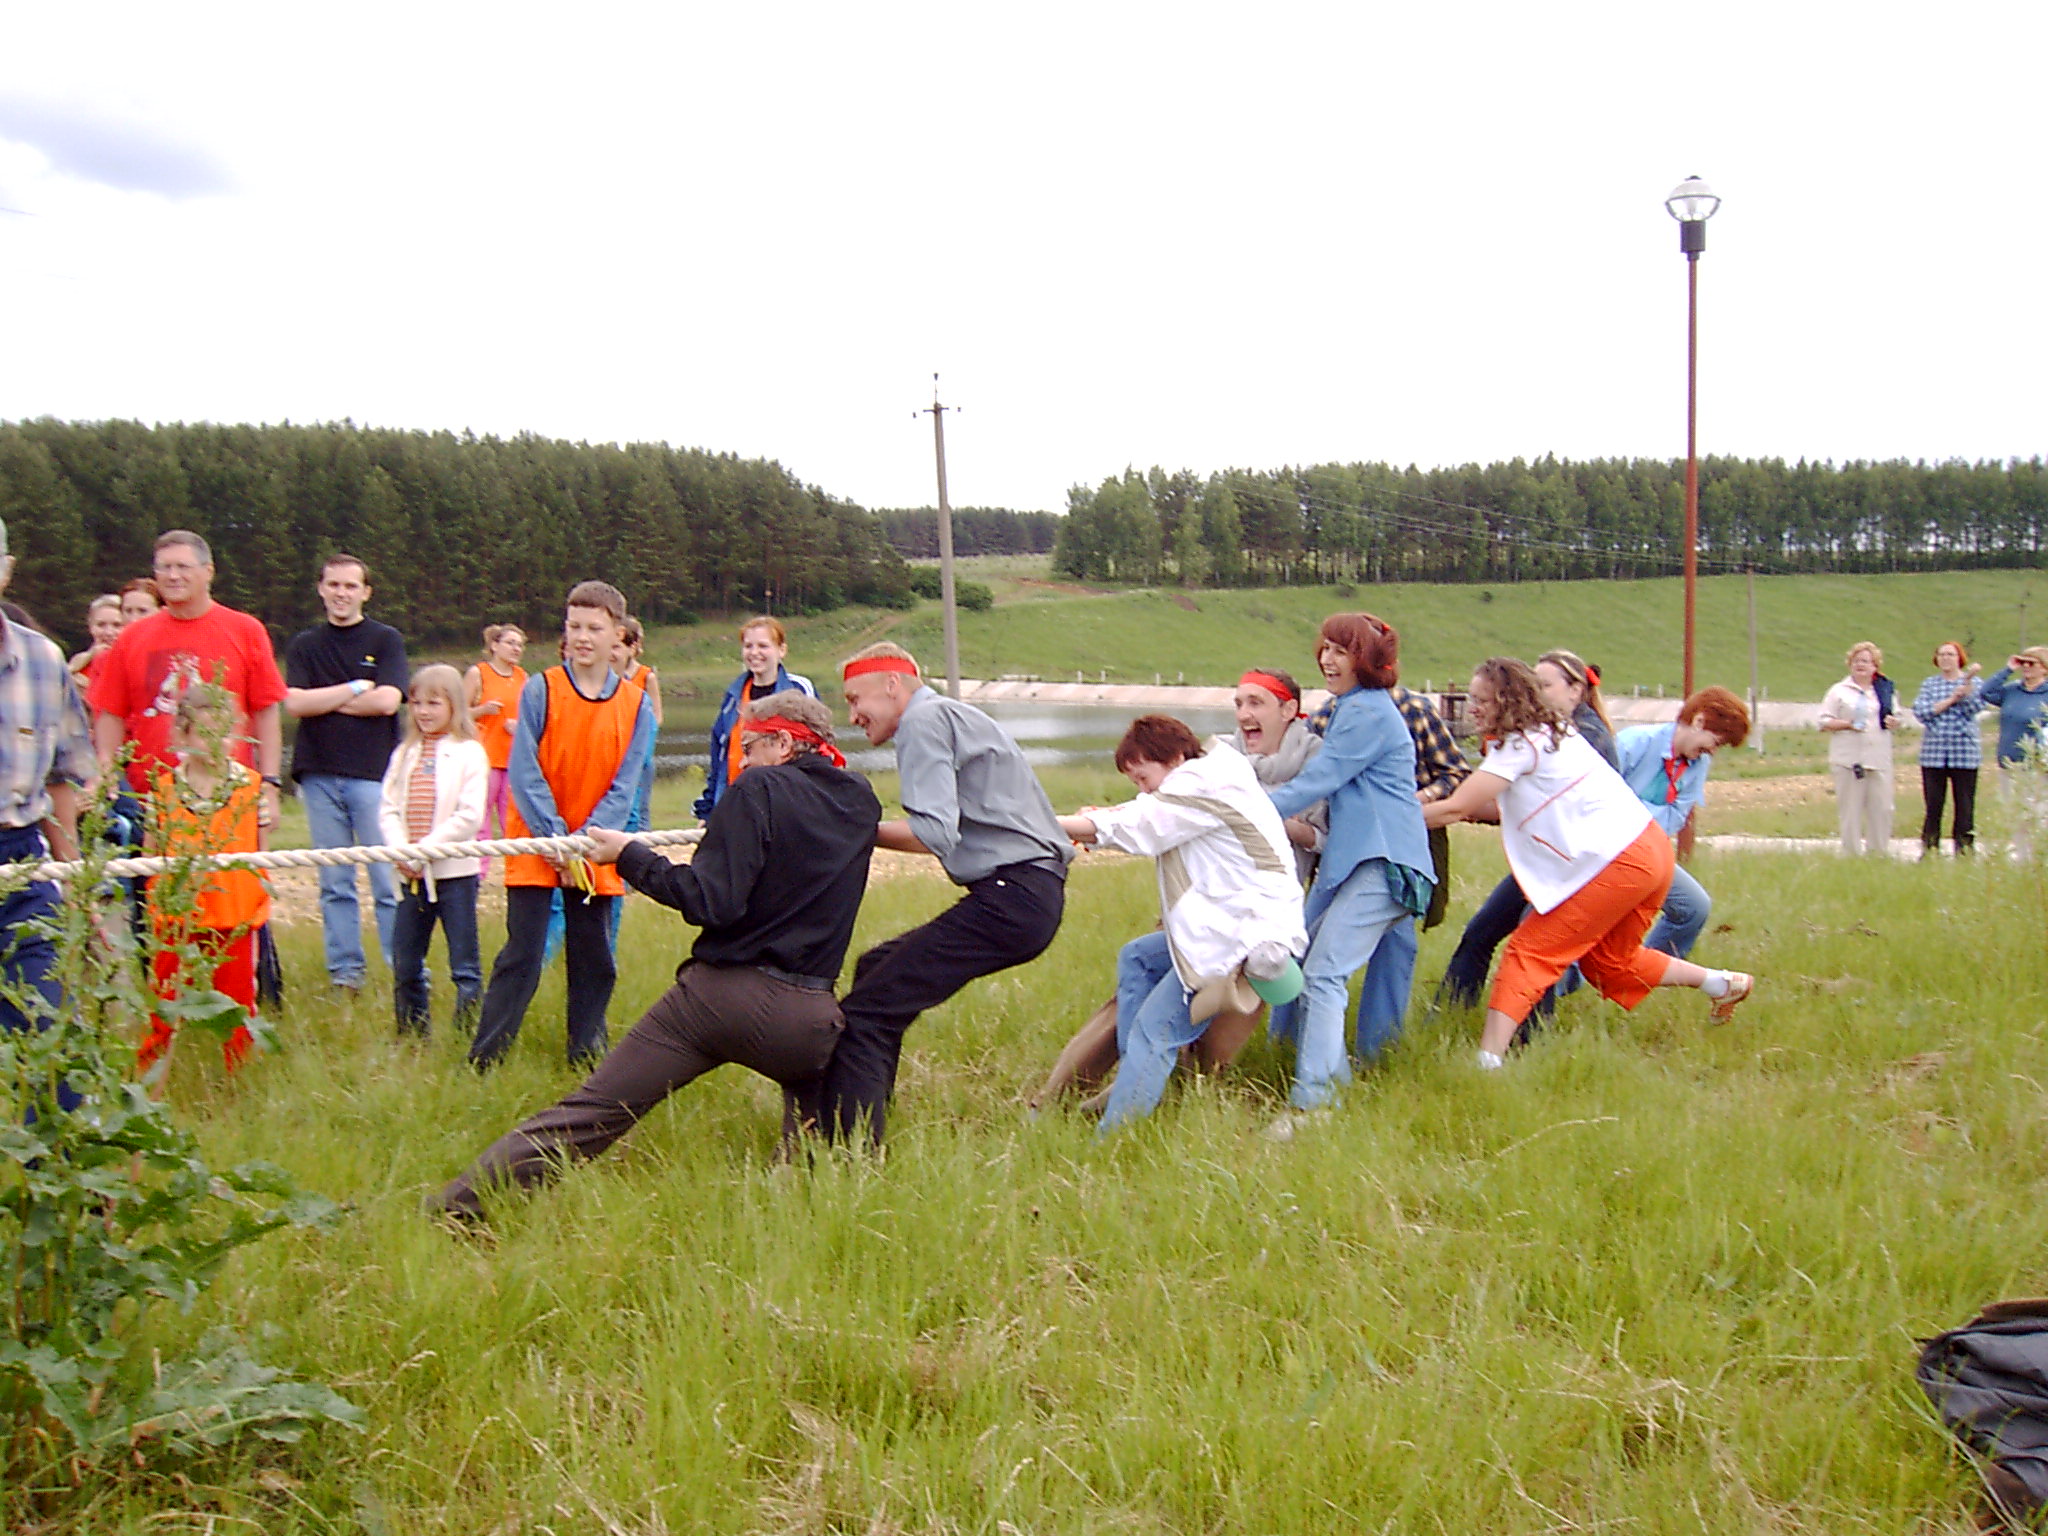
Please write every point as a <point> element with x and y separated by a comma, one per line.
<point>1049,733</point>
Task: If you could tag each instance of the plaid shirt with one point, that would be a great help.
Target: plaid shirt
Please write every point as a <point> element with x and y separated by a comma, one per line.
<point>45,737</point>
<point>1951,739</point>
<point>1439,766</point>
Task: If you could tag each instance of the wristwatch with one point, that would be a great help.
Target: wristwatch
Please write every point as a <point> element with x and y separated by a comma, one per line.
<point>360,686</point>
<point>273,781</point>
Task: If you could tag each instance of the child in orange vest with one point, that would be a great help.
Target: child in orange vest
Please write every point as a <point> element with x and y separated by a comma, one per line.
<point>493,687</point>
<point>207,804</point>
<point>583,734</point>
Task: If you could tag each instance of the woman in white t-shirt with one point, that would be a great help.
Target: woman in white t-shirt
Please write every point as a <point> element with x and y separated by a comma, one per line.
<point>1593,864</point>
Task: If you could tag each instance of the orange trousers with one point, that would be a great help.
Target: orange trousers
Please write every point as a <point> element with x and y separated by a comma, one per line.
<point>234,972</point>
<point>1599,927</point>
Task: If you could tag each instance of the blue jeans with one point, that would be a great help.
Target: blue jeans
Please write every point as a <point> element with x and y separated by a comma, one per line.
<point>1152,1024</point>
<point>342,813</point>
<point>1687,906</point>
<point>1345,925</point>
<point>1383,998</point>
<point>28,960</point>
<point>454,908</point>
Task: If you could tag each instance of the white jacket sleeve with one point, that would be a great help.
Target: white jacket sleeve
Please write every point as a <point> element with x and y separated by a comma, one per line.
<point>391,800</point>
<point>1149,825</point>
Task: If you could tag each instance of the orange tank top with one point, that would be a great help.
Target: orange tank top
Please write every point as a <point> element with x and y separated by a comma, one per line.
<point>582,750</point>
<point>225,899</point>
<point>495,731</point>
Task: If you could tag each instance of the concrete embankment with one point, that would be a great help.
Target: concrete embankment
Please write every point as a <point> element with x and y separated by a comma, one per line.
<point>1777,715</point>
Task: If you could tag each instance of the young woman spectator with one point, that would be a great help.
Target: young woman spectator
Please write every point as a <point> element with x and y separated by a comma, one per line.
<point>763,647</point>
<point>1857,715</point>
<point>1951,752</point>
<point>1228,896</point>
<point>491,688</point>
<point>139,599</point>
<point>103,622</point>
<point>1375,864</point>
<point>1585,851</point>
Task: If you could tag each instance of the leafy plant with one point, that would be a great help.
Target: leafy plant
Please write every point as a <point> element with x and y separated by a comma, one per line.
<point>108,1209</point>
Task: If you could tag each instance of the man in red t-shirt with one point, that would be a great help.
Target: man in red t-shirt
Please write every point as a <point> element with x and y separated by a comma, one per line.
<point>191,639</point>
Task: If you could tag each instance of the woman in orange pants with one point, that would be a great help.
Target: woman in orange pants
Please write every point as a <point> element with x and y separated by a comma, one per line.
<point>1582,846</point>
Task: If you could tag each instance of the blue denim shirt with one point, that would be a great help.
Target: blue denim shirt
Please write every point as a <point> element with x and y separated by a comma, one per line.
<point>1366,771</point>
<point>1644,749</point>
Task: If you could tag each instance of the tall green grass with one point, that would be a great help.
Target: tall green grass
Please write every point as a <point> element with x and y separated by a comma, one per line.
<point>1653,1278</point>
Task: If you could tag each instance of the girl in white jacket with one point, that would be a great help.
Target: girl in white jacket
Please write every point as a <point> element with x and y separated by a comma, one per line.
<point>1228,893</point>
<point>434,792</point>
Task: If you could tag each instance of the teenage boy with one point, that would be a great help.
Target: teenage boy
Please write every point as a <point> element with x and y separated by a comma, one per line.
<point>583,734</point>
<point>970,799</point>
<point>344,681</point>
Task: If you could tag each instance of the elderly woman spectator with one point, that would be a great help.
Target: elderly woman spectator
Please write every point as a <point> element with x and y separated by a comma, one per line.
<point>1857,714</point>
<point>1228,897</point>
<point>1951,752</point>
<point>1585,851</point>
<point>2020,690</point>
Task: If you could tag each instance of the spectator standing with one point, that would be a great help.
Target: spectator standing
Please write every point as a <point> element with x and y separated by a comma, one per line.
<point>493,687</point>
<point>103,622</point>
<point>345,680</point>
<point>2020,690</point>
<point>763,646</point>
<point>1951,752</point>
<point>1857,716</point>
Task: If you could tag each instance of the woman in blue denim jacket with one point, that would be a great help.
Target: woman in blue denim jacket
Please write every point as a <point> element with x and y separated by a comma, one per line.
<point>763,645</point>
<point>1375,867</point>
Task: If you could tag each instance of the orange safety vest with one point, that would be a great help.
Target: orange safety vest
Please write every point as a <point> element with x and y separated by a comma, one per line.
<point>582,751</point>
<point>495,731</point>
<point>227,899</point>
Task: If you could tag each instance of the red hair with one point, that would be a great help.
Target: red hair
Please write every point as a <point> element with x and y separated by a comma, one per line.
<point>1962,655</point>
<point>1157,739</point>
<point>1372,644</point>
<point>1726,717</point>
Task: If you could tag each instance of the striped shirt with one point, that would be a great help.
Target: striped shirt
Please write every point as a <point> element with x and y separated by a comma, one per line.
<point>1950,739</point>
<point>45,737</point>
<point>419,792</point>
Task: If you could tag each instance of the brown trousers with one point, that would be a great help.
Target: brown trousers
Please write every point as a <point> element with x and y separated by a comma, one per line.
<point>1085,1065</point>
<point>712,1015</point>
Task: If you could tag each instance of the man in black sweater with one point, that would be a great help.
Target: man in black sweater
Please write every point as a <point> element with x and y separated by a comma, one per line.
<point>775,887</point>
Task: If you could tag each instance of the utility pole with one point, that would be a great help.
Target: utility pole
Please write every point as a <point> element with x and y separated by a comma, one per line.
<point>937,412</point>
<point>1756,703</point>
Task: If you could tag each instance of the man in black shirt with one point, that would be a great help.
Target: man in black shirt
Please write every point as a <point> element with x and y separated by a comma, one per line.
<point>344,681</point>
<point>774,888</point>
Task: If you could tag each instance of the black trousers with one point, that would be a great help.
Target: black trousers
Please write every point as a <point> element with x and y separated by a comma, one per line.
<point>712,1015</point>
<point>1934,786</point>
<point>1004,920</point>
<point>515,974</point>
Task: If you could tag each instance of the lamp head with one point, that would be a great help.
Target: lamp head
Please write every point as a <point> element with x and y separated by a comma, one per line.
<point>1692,202</point>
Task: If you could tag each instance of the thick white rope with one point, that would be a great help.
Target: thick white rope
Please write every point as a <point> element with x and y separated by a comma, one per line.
<point>12,875</point>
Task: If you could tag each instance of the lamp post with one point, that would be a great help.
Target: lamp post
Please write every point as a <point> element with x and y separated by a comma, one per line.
<point>1692,203</point>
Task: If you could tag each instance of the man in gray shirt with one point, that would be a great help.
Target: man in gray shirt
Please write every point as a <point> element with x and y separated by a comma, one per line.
<point>970,799</point>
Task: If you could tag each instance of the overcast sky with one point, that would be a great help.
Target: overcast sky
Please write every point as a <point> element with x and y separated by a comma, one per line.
<point>1184,235</point>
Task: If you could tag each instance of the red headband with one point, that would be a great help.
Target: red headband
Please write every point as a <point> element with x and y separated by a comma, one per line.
<point>1271,684</point>
<point>797,731</point>
<point>1592,674</point>
<point>867,664</point>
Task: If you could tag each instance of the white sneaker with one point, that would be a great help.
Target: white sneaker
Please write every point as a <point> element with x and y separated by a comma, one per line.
<point>1488,1062</point>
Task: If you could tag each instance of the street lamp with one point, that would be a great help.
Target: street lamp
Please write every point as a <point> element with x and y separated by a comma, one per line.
<point>1692,203</point>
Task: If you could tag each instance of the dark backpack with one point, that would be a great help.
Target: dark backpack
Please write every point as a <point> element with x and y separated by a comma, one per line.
<point>1989,1382</point>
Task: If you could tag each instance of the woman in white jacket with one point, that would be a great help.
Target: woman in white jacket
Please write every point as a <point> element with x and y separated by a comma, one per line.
<point>434,792</point>
<point>1228,893</point>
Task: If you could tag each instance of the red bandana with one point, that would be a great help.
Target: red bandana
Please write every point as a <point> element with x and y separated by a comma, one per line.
<point>869,664</point>
<point>1674,770</point>
<point>1271,684</point>
<point>797,731</point>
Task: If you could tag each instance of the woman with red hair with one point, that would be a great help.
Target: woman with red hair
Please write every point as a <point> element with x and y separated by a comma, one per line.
<point>1375,868</point>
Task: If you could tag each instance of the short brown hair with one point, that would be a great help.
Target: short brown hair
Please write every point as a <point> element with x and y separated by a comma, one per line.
<point>188,539</point>
<point>1517,700</point>
<point>342,557</point>
<point>1372,644</point>
<point>762,621</point>
<point>1726,717</point>
<point>1157,739</point>
<point>145,585</point>
<point>599,594</point>
<point>631,629</point>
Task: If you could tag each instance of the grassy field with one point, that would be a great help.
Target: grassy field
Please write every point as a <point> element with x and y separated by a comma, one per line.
<point>1631,629</point>
<point>1654,1278</point>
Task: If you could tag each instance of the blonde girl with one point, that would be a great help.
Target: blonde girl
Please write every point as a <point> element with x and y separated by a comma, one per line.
<point>103,622</point>
<point>492,687</point>
<point>434,792</point>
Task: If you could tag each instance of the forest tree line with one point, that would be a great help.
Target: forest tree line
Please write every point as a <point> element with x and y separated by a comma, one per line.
<point>914,531</point>
<point>458,531</point>
<point>1549,520</point>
